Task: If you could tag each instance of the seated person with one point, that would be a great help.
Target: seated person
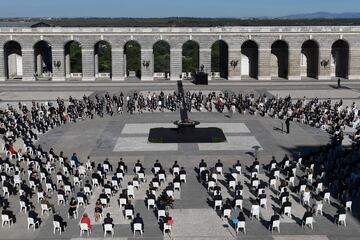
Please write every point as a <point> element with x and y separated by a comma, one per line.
<point>308,213</point>
<point>58,218</point>
<point>108,220</point>
<point>287,203</point>
<point>85,219</point>
<point>138,219</point>
<point>32,214</point>
<point>11,215</point>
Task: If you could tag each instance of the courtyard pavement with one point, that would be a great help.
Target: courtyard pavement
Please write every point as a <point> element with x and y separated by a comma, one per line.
<point>126,136</point>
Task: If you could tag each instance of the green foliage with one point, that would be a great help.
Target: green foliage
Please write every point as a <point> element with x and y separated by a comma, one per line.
<point>161,57</point>
<point>104,57</point>
<point>75,57</point>
<point>190,52</point>
<point>133,56</point>
<point>215,57</point>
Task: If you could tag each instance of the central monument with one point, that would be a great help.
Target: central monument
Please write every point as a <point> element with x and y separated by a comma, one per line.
<point>186,131</point>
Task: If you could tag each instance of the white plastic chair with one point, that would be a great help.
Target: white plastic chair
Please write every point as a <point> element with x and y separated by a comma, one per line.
<point>80,201</point>
<point>129,214</point>
<point>95,182</point>
<point>306,198</point>
<point>57,227</point>
<point>6,220</point>
<point>211,185</point>
<point>318,209</point>
<point>348,205</point>
<point>22,206</point>
<point>108,228</point>
<point>61,199</point>
<point>308,222</point>
<point>219,170</point>
<point>275,224</point>
<point>341,220</point>
<point>239,203</point>
<point>273,183</point>
<point>263,202</point>
<point>45,209</point>
<point>167,227</point>
<point>138,227</point>
<point>150,203</point>
<point>218,204</point>
<point>160,214</point>
<point>240,225</point>
<point>287,211</point>
<point>255,212</point>
<point>327,197</point>
<point>31,223</point>
<point>84,228</point>
<point>226,213</point>
<point>177,186</point>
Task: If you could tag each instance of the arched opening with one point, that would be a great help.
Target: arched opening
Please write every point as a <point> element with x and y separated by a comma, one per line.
<point>310,59</point>
<point>13,60</point>
<point>102,54</point>
<point>73,60</point>
<point>249,59</point>
<point>340,58</point>
<point>279,59</point>
<point>132,59</point>
<point>43,60</point>
<point>161,51</point>
<point>190,58</point>
<point>219,59</point>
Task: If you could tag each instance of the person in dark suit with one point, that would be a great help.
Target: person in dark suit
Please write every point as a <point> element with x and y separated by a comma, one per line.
<point>241,217</point>
<point>138,219</point>
<point>58,218</point>
<point>308,213</point>
<point>287,123</point>
<point>274,218</point>
<point>11,215</point>
<point>287,203</point>
<point>32,214</point>
<point>108,220</point>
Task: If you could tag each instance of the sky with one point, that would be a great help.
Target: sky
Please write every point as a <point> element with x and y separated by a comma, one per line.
<point>171,8</point>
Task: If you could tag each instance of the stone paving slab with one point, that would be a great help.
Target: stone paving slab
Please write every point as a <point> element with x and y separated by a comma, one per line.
<point>133,144</point>
<point>241,143</point>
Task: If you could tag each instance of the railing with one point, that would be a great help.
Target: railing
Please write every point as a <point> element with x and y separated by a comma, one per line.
<point>76,75</point>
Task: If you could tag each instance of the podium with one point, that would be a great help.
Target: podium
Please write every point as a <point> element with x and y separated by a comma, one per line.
<point>201,78</point>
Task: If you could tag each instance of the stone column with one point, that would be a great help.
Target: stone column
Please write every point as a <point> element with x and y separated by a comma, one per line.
<point>117,63</point>
<point>39,64</point>
<point>205,59</point>
<point>58,73</point>
<point>175,64</point>
<point>234,72</point>
<point>324,72</point>
<point>88,64</point>
<point>2,65</point>
<point>147,72</point>
<point>294,72</point>
<point>354,64</point>
<point>96,65</point>
<point>28,64</point>
<point>264,64</point>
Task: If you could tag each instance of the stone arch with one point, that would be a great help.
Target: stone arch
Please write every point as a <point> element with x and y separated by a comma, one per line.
<point>43,66</point>
<point>310,59</point>
<point>161,56</point>
<point>102,59</point>
<point>73,59</point>
<point>13,60</point>
<point>220,59</point>
<point>249,59</point>
<point>280,59</point>
<point>190,57</point>
<point>132,59</point>
<point>340,58</point>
